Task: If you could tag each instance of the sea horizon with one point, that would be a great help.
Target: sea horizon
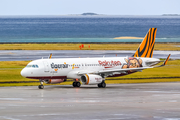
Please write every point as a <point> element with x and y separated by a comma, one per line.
<point>98,15</point>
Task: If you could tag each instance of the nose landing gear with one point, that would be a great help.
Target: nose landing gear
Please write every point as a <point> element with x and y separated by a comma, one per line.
<point>41,86</point>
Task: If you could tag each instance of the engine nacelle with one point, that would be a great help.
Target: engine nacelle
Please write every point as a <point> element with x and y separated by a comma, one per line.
<point>54,81</point>
<point>91,79</point>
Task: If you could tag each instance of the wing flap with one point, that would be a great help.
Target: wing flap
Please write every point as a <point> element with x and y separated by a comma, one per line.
<point>122,70</point>
<point>111,71</point>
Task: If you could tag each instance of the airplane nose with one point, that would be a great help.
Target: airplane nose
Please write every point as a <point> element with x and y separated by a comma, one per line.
<point>23,73</point>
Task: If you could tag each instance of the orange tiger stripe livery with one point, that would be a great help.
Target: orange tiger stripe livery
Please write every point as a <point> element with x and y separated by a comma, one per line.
<point>146,48</point>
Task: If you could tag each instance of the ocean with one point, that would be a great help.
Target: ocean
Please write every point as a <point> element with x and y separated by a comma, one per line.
<point>86,28</point>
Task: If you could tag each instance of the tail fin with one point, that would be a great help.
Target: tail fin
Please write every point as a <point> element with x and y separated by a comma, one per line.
<point>146,47</point>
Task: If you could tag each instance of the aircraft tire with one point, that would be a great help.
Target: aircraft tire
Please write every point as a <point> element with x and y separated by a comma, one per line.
<point>99,85</point>
<point>74,84</point>
<point>41,87</point>
<point>78,84</point>
<point>103,85</point>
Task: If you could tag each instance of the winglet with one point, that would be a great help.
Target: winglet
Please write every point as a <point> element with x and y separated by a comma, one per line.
<point>165,62</point>
<point>50,56</point>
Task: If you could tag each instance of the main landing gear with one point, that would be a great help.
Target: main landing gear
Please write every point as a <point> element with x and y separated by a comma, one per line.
<point>102,85</point>
<point>41,86</point>
<point>76,84</point>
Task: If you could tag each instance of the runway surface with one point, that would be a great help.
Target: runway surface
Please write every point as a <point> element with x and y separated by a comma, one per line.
<point>19,55</point>
<point>150,101</point>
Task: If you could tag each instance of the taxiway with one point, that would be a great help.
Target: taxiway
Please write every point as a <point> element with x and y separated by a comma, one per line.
<point>123,101</point>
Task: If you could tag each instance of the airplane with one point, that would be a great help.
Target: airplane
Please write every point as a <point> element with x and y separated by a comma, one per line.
<point>93,71</point>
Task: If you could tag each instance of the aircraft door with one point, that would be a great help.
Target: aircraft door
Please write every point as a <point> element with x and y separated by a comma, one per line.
<point>46,66</point>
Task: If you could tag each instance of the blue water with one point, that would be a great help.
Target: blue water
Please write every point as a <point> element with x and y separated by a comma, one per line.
<point>87,29</point>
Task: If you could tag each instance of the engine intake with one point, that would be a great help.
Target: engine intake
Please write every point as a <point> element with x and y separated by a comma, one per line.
<point>91,79</point>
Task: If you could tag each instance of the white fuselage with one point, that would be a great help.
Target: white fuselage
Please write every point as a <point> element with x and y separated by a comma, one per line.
<point>71,67</point>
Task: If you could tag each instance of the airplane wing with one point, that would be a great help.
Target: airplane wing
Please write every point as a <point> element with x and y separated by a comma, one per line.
<point>122,70</point>
<point>134,69</point>
<point>110,71</point>
<point>118,71</point>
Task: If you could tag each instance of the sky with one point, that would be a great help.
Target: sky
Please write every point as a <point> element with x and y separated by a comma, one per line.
<point>107,7</point>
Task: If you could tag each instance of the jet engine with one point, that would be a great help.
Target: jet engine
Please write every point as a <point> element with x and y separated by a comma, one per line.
<point>54,81</point>
<point>89,79</point>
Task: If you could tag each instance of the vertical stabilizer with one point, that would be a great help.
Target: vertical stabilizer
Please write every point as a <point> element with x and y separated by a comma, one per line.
<point>146,47</point>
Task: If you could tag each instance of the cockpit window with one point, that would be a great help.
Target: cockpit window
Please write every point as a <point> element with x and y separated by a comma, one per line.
<point>32,66</point>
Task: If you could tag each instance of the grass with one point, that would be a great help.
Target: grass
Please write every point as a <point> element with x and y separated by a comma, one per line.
<point>70,46</point>
<point>10,72</point>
